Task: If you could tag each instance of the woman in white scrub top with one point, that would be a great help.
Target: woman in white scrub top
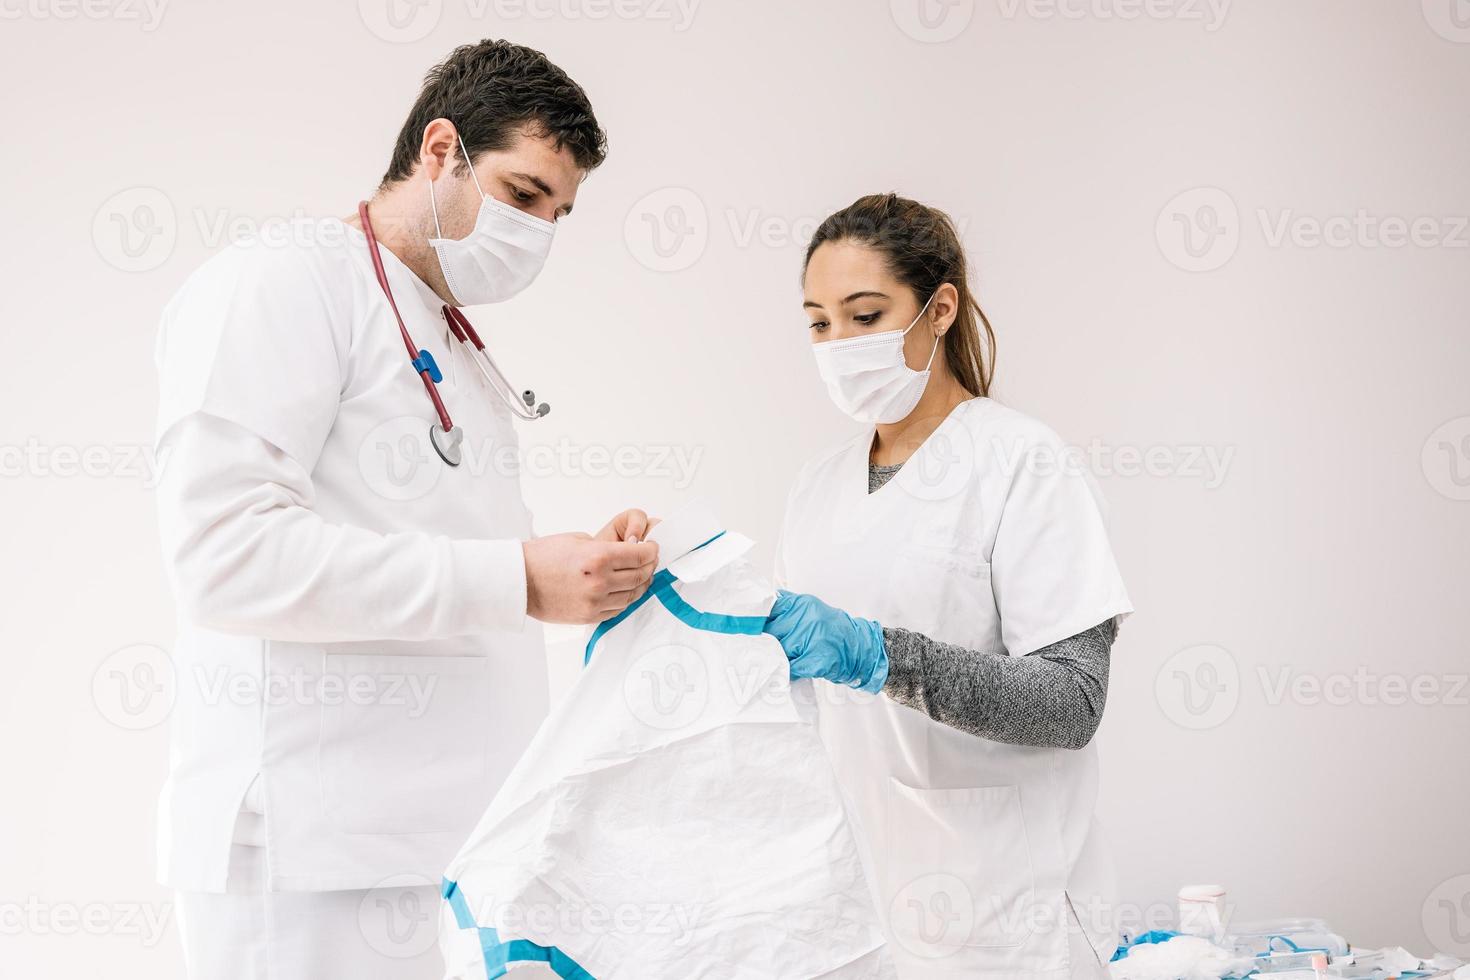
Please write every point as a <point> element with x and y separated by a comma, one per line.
<point>953,592</point>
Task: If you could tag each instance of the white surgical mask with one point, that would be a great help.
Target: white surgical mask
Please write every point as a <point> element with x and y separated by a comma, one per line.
<point>499,258</point>
<point>867,376</point>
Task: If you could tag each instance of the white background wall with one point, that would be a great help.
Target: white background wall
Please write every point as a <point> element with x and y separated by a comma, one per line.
<point>1073,144</point>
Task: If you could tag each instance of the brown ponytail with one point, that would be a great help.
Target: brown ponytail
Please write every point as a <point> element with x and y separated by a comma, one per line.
<point>923,251</point>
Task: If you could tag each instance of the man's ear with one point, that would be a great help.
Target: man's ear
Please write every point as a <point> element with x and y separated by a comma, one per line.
<point>439,148</point>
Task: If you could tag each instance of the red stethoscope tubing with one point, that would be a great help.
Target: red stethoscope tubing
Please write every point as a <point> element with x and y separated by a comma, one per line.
<point>413,353</point>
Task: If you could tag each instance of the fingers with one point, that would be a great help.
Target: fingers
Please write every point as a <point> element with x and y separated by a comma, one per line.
<point>618,574</point>
<point>627,554</point>
<point>631,525</point>
<point>616,602</point>
<point>635,525</point>
<point>627,579</point>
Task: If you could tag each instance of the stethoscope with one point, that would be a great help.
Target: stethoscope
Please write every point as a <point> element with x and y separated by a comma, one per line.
<point>446,439</point>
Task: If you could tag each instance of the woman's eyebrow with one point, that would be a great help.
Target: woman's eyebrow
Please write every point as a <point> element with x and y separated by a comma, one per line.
<point>861,294</point>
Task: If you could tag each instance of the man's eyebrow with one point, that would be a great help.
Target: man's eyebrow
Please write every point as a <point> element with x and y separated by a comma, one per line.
<point>540,184</point>
<point>543,187</point>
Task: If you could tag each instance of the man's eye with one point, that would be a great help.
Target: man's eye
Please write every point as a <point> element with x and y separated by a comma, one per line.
<point>521,196</point>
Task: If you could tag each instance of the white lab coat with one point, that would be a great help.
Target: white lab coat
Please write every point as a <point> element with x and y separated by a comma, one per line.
<point>982,852</point>
<point>352,624</point>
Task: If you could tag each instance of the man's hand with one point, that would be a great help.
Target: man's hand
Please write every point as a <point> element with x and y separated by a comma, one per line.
<point>575,578</point>
<point>630,525</point>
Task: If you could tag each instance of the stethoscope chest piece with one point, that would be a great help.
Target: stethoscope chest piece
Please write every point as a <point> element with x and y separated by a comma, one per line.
<point>445,435</point>
<point>449,445</point>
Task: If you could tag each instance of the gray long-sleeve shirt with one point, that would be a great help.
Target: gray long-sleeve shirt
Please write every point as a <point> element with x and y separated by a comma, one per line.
<point>1052,697</point>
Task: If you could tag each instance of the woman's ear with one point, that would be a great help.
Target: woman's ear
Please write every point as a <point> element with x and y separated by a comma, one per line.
<point>944,308</point>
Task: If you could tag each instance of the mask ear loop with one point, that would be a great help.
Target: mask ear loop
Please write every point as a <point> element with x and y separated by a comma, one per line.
<point>937,337</point>
<point>433,205</point>
<point>438,232</point>
<point>467,163</point>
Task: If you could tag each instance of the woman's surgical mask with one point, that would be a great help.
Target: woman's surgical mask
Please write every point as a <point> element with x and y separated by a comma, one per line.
<point>867,376</point>
<point>499,257</point>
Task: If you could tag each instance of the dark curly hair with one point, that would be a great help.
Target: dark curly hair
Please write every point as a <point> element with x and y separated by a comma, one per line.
<point>492,89</point>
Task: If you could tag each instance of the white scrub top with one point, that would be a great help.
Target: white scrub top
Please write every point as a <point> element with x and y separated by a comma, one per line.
<point>352,612</point>
<point>982,852</point>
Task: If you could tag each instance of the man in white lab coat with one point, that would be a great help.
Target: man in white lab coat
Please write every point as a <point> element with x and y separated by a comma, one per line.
<point>359,663</point>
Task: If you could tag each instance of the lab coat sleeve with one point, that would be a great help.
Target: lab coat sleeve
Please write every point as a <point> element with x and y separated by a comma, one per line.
<point>260,337</point>
<point>247,554</point>
<point>1052,568</point>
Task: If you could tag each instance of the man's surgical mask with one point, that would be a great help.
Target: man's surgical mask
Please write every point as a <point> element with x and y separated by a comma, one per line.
<point>499,257</point>
<point>867,376</point>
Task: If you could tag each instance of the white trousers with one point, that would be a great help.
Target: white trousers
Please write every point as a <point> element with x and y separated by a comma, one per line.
<point>388,933</point>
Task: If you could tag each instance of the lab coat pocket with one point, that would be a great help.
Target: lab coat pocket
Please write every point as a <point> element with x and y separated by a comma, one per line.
<point>403,745</point>
<point>959,870</point>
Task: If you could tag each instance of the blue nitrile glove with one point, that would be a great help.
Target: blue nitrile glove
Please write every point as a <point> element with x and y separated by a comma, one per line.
<point>828,643</point>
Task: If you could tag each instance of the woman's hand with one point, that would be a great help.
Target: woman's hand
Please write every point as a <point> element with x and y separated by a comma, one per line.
<point>827,643</point>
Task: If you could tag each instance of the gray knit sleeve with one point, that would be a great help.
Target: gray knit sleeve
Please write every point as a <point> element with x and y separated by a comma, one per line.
<point>1052,697</point>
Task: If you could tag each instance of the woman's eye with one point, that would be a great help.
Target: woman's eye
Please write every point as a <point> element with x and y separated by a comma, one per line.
<point>867,319</point>
<point>819,326</point>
